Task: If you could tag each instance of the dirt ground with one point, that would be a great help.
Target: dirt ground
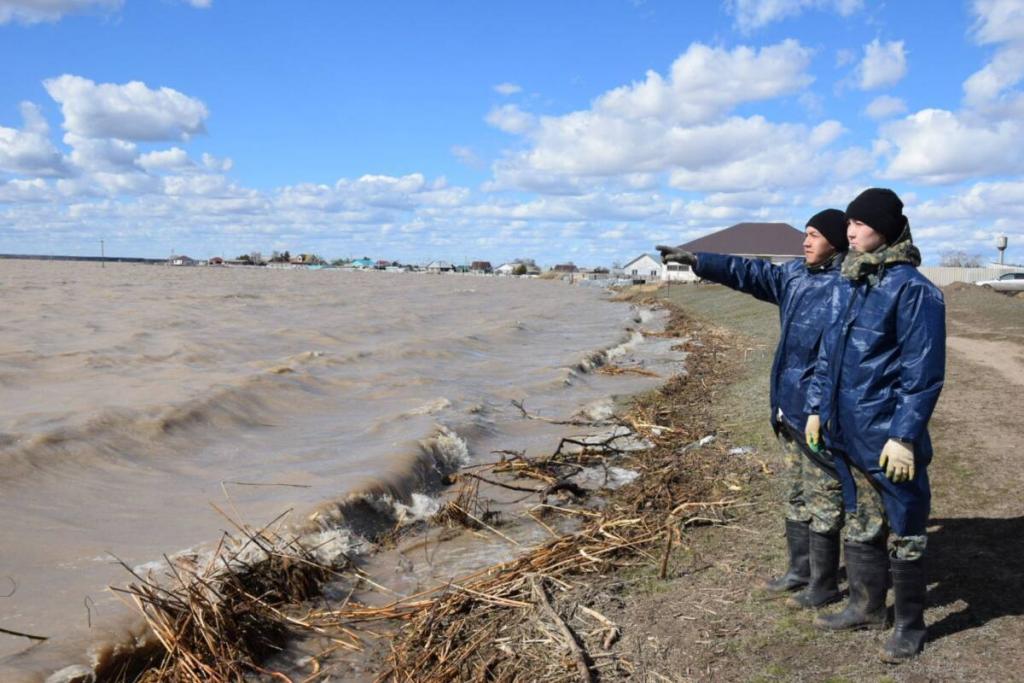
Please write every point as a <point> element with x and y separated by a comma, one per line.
<point>709,621</point>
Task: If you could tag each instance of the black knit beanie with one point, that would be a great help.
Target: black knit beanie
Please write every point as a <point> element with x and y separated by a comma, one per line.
<point>831,223</point>
<point>881,209</point>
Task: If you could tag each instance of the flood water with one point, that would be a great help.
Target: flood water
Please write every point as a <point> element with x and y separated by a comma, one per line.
<point>132,397</point>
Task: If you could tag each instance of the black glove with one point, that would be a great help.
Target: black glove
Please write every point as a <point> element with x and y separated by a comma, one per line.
<point>676,255</point>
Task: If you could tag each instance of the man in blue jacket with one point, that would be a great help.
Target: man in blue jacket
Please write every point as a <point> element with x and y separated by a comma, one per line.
<point>880,369</point>
<point>801,290</point>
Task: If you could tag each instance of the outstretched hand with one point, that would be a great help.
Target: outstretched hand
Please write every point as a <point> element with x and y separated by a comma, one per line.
<point>676,255</point>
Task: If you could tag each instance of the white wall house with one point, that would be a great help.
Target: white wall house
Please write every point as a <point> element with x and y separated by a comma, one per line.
<point>510,268</point>
<point>677,272</point>
<point>644,267</point>
<point>440,267</point>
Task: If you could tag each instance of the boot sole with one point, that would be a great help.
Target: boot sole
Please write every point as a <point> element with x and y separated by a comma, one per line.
<point>794,604</point>
<point>779,593</point>
<point>893,659</point>
<point>786,588</point>
<point>872,626</point>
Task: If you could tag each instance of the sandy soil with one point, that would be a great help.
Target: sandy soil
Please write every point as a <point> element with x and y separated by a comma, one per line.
<point>710,623</point>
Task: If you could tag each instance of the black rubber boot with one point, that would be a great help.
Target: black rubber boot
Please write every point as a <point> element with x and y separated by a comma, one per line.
<point>823,588</point>
<point>867,567</point>
<point>909,589</point>
<point>799,572</point>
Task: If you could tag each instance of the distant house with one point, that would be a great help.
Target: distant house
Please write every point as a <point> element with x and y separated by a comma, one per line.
<point>776,242</point>
<point>677,272</point>
<point>482,267</point>
<point>566,268</point>
<point>525,267</point>
<point>181,261</point>
<point>440,267</point>
<point>361,263</point>
<point>307,260</point>
<point>644,267</point>
<point>216,261</point>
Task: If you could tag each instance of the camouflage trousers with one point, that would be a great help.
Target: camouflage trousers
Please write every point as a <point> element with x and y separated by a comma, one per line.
<point>868,524</point>
<point>812,494</point>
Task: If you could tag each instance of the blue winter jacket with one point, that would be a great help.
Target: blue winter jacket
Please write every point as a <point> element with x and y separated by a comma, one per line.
<point>878,376</point>
<point>802,296</point>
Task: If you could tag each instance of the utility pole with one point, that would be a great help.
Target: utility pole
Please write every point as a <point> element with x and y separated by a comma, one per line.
<point>103,256</point>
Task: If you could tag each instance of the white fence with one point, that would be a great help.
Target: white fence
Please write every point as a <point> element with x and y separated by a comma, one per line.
<point>942,276</point>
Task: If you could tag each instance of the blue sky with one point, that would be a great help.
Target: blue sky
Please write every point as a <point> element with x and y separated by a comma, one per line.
<point>584,131</point>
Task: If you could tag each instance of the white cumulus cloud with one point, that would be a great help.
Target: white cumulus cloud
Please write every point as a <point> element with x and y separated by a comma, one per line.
<point>1003,72</point>
<point>101,154</point>
<point>998,21</point>
<point>786,156</point>
<point>678,124</point>
<point>129,111</point>
<point>174,158</point>
<point>22,191</point>
<point>940,146</point>
<point>362,196</point>
<point>705,82</point>
<point>510,119</point>
<point>983,138</point>
<point>884,64</point>
<point>885,106</point>
<point>35,11</point>
<point>217,164</point>
<point>29,150</point>
<point>753,14</point>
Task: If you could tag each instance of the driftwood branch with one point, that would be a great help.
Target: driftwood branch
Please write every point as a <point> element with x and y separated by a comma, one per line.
<point>612,631</point>
<point>572,487</point>
<point>521,405</point>
<point>22,635</point>
<point>541,595</point>
<point>498,483</point>
<point>669,533</point>
<point>603,446</point>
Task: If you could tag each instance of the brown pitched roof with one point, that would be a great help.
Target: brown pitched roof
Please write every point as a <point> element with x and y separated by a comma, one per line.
<point>763,239</point>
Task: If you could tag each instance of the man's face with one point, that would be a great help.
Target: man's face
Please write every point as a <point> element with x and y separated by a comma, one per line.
<point>863,237</point>
<point>817,249</point>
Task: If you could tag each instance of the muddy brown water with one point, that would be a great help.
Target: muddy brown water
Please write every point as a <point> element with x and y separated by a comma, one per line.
<point>135,396</point>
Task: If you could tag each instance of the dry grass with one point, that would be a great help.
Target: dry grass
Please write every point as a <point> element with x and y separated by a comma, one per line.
<point>218,620</point>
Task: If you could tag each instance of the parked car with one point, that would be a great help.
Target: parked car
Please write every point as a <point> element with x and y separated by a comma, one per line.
<point>1007,282</point>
